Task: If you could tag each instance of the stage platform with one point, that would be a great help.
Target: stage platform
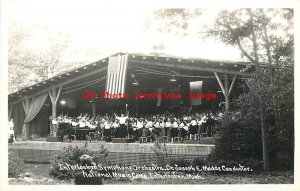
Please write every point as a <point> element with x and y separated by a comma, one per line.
<point>125,153</point>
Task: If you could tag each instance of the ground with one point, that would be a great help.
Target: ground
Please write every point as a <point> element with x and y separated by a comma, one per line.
<point>38,174</point>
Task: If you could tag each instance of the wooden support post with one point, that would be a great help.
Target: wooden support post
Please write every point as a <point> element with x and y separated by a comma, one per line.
<point>226,93</point>
<point>54,108</point>
<point>232,83</point>
<point>220,82</point>
<point>54,98</point>
<point>94,107</point>
<point>226,89</point>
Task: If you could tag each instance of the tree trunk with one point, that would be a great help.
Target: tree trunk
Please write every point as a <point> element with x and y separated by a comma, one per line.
<point>260,96</point>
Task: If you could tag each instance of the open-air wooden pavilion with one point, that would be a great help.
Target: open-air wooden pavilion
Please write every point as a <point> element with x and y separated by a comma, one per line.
<point>32,106</point>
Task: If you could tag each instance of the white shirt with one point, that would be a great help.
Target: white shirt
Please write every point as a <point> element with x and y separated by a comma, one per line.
<point>168,124</point>
<point>122,120</point>
<point>106,125</point>
<point>149,124</point>
<point>175,125</point>
<point>193,122</point>
<point>54,122</point>
<point>139,125</point>
<point>81,124</point>
<point>74,123</point>
<point>11,125</point>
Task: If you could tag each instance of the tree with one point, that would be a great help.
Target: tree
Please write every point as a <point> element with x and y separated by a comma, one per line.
<point>247,27</point>
<point>29,64</point>
<point>263,36</point>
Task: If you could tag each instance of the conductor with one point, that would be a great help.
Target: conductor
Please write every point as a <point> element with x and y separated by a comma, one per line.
<point>122,129</point>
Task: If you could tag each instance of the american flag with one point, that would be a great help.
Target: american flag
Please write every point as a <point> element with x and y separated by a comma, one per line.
<point>196,87</point>
<point>116,74</point>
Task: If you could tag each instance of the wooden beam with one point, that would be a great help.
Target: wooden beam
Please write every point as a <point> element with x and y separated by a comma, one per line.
<point>51,98</point>
<point>94,108</point>
<point>189,66</point>
<point>54,109</point>
<point>232,83</point>
<point>248,85</point>
<point>63,83</point>
<point>58,94</point>
<point>227,101</point>
<point>220,82</point>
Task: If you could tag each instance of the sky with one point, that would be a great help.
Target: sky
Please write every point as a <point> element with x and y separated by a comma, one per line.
<point>95,30</point>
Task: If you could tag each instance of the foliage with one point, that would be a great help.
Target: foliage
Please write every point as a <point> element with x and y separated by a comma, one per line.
<point>15,165</point>
<point>199,162</point>
<point>239,140</point>
<point>180,162</point>
<point>35,55</point>
<point>263,35</point>
<point>71,155</point>
<point>174,20</point>
<point>161,154</point>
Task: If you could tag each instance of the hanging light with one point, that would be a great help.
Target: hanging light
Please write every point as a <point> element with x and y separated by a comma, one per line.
<point>135,82</point>
<point>173,79</point>
<point>63,102</point>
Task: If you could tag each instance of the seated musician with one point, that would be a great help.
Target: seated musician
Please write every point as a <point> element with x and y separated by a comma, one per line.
<point>54,126</point>
<point>183,127</point>
<point>193,127</point>
<point>162,128</point>
<point>139,126</point>
<point>156,131</point>
<point>115,129</point>
<point>82,123</point>
<point>107,129</point>
<point>130,127</point>
<point>167,127</point>
<point>174,129</point>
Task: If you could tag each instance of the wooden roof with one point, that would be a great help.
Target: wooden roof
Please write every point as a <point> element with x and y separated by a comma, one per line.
<point>134,59</point>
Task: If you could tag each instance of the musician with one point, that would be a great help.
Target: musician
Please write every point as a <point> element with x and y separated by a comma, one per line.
<point>115,129</point>
<point>174,129</point>
<point>167,127</point>
<point>122,123</point>
<point>54,126</point>
<point>183,128</point>
<point>11,132</point>
<point>193,127</point>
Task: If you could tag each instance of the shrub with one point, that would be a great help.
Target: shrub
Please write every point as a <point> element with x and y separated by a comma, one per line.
<point>239,142</point>
<point>71,155</point>
<point>161,154</point>
<point>180,162</point>
<point>15,165</point>
<point>198,162</point>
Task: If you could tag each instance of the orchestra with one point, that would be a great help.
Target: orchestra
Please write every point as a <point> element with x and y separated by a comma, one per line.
<point>155,126</point>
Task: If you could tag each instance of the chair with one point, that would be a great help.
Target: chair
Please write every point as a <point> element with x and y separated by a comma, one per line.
<point>92,135</point>
<point>178,138</point>
<point>197,137</point>
<point>164,139</point>
<point>143,139</point>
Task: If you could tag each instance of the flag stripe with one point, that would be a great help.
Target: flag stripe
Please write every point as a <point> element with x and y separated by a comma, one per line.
<point>196,87</point>
<point>119,81</point>
<point>116,74</point>
<point>124,73</point>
